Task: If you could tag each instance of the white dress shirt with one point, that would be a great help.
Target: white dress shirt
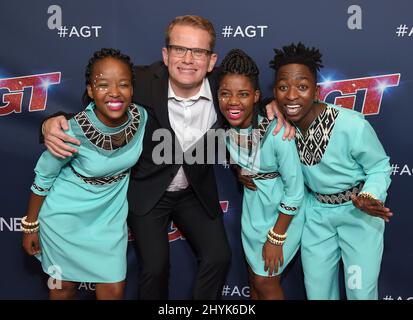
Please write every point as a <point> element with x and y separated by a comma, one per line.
<point>190,119</point>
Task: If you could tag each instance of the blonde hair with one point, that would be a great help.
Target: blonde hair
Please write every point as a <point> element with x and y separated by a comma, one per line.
<point>193,21</point>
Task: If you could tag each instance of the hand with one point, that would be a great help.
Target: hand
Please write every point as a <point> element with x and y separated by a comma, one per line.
<point>245,179</point>
<point>31,243</point>
<point>372,207</point>
<point>273,111</point>
<point>273,257</point>
<point>54,137</point>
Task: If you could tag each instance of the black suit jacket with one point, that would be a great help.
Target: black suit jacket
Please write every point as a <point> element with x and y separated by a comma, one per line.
<point>149,180</point>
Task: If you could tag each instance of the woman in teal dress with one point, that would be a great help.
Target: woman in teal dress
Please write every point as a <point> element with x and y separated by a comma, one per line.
<point>76,219</point>
<point>273,209</point>
<point>348,172</point>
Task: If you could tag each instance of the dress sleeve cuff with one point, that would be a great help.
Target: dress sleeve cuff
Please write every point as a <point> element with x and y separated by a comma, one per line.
<point>287,209</point>
<point>39,190</point>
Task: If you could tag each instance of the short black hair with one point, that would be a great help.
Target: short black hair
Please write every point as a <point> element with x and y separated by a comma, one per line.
<point>99,55</point>
<point>300,54</point>
<point>238,62</point>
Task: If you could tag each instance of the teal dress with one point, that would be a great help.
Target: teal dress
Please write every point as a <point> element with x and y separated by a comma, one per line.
<point>276,171</point>
<point>83,231</point>
<point>340,154</point>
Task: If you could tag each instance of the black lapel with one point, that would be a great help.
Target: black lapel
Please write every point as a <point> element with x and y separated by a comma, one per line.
<point>213,83</point>
<point>160,96</point>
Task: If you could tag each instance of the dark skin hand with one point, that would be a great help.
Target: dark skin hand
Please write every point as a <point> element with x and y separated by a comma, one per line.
<point>273,110</point>
<point>245,179</point>
<point>31,243</point>
<point>372,207</point>
<point>273,256</point>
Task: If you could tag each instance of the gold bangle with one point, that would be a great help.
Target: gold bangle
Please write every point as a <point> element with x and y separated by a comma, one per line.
<point>28,231</point>
<point>275,241</point>
<point>276,235</point>
<point>367,195</point>
<point>29,224</point>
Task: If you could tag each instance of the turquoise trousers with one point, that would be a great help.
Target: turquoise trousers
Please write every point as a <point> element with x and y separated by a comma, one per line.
<point>335,232</point>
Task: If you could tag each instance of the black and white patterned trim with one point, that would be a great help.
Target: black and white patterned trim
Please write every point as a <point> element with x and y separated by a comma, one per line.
<point>261,176</point>
<point>263,126</point>
<point>312,147</point>
<point>287,208</point>
<point>339,197</point>
<point>254,137</point>
<point>34,185</point>
<point>105,141</point>
<point>102,180</point>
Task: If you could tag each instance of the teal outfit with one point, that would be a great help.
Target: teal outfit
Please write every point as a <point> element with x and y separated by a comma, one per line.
<point>83,231</point>
<point>280,188</point>
<point>339,151</point>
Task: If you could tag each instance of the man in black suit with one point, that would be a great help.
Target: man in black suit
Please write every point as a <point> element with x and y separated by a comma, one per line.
<point>179,95</point>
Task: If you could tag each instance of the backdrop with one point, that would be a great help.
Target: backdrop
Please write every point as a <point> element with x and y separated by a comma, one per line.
<point>367,47</point>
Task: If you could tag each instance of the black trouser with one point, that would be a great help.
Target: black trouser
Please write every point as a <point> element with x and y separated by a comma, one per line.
<point>205,235</point>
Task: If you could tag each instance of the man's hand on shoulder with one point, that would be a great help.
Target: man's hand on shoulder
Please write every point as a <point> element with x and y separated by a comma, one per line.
<point>56,140</point>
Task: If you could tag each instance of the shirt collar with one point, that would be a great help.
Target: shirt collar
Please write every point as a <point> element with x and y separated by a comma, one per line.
<point>204,92</point>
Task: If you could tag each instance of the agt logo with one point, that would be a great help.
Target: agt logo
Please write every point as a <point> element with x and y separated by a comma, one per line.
<point>174,233</point>
<point>55,22</point>
<point>369,90</point>
<point>34,87</point>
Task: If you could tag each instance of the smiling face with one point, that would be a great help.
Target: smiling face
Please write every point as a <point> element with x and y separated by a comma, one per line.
<point>111,89</point>
<point>295,90</point>
<point>237,97</point>
<point>186,73</point>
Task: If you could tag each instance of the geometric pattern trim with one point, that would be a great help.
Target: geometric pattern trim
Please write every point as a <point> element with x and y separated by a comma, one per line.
<point>109,141</point>
<point>34,185</point>
<point>282,205</point>
<point>262,129</point>
<point>312,146</point>
<point>252,139</point>
<point>340,197</point>
<point>101,181</point>
<point>261,176</point>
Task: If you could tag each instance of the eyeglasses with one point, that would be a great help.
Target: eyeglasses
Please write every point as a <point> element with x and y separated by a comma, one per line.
<point>197,53</point>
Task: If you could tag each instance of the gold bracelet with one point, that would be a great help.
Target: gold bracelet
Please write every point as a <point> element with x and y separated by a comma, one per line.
<point>29,224</point>
<point>367,195</point>
<point>275,241</point>
<point>28,231</point>
<point>276,235</point>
